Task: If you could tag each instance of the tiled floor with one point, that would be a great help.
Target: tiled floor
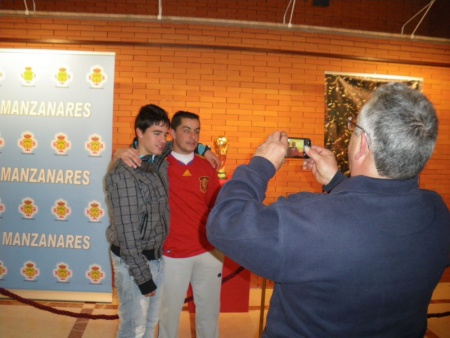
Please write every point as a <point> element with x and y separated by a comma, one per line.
<point>18,320</point>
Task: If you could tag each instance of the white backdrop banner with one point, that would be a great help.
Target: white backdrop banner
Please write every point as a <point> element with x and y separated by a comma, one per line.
<point>56,111</point>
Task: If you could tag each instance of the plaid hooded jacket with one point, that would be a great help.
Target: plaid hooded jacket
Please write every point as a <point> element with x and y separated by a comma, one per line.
<point>138,204</point>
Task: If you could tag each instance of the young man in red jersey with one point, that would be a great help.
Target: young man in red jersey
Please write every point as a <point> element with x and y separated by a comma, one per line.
<point>189,257</point>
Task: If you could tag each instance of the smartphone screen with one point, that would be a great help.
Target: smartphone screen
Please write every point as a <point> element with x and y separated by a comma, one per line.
<point>296,148</point>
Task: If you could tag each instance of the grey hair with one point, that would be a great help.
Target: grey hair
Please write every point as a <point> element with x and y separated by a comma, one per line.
<point>402,128</point>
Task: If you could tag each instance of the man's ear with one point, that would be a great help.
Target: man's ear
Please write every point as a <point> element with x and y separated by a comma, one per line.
<point>363,147</point>
<point>172,133</point>
<point>139,133</point>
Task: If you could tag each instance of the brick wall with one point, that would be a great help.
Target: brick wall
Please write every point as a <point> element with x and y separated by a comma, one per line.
<point>244,82</point>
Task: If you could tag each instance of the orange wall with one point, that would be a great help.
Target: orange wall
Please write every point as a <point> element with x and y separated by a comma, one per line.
<point>245,82</point>
<point>373,15</point>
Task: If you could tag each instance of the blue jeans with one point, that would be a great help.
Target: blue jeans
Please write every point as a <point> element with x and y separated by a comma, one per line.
<point>138,314</point>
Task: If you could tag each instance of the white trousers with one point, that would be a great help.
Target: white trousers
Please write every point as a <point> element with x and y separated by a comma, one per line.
<point>204,273</point>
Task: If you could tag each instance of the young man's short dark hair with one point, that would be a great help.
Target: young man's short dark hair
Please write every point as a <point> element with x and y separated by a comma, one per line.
<point>150,115</point>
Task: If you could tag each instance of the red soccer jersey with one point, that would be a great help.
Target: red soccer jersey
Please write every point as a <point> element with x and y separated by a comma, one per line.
<point>192,194</point>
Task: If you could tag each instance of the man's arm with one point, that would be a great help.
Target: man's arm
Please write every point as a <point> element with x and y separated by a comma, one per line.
<point>131,158</point>
<point>274,149</point>
<point>240,225</point>
<point>211,158</point>
<point>245,229</point>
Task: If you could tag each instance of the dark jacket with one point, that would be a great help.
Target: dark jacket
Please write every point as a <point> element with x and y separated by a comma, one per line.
<point>139,215</point>
<point>361,261</point>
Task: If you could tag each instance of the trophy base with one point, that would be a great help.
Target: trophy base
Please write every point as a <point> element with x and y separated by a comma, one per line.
<point>222,175</point>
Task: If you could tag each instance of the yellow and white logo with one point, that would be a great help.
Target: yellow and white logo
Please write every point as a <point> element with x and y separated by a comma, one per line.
<point>3,270</point>
<point>2,74</point>
<point>95,274</point>
<point>94,145</point>
<point>62,272</point>
<point>2,207</point>
<point>27,142</point>
<point>61,210</point>
<point>28,76</point>
<point>63,77</point>
<point>30,271</point>
<point>97,77</point>
<point>61,144</point>
<point>94,211</point>
<point>28,209</point>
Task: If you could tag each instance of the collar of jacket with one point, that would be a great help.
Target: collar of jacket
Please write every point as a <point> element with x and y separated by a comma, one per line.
<point>377,185</point>
<point>153,160</point>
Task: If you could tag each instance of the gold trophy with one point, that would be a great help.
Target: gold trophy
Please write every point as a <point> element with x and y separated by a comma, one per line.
<point>221,145</point>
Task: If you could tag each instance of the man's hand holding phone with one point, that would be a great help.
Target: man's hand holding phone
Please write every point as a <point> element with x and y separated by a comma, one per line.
<point>322,163</point>
<point>274,149</point>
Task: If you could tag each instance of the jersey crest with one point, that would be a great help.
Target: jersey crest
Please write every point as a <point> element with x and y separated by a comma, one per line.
<point>204,182</point>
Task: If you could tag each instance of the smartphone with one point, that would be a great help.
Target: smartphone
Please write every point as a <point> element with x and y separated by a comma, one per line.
<point>296,148</point>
